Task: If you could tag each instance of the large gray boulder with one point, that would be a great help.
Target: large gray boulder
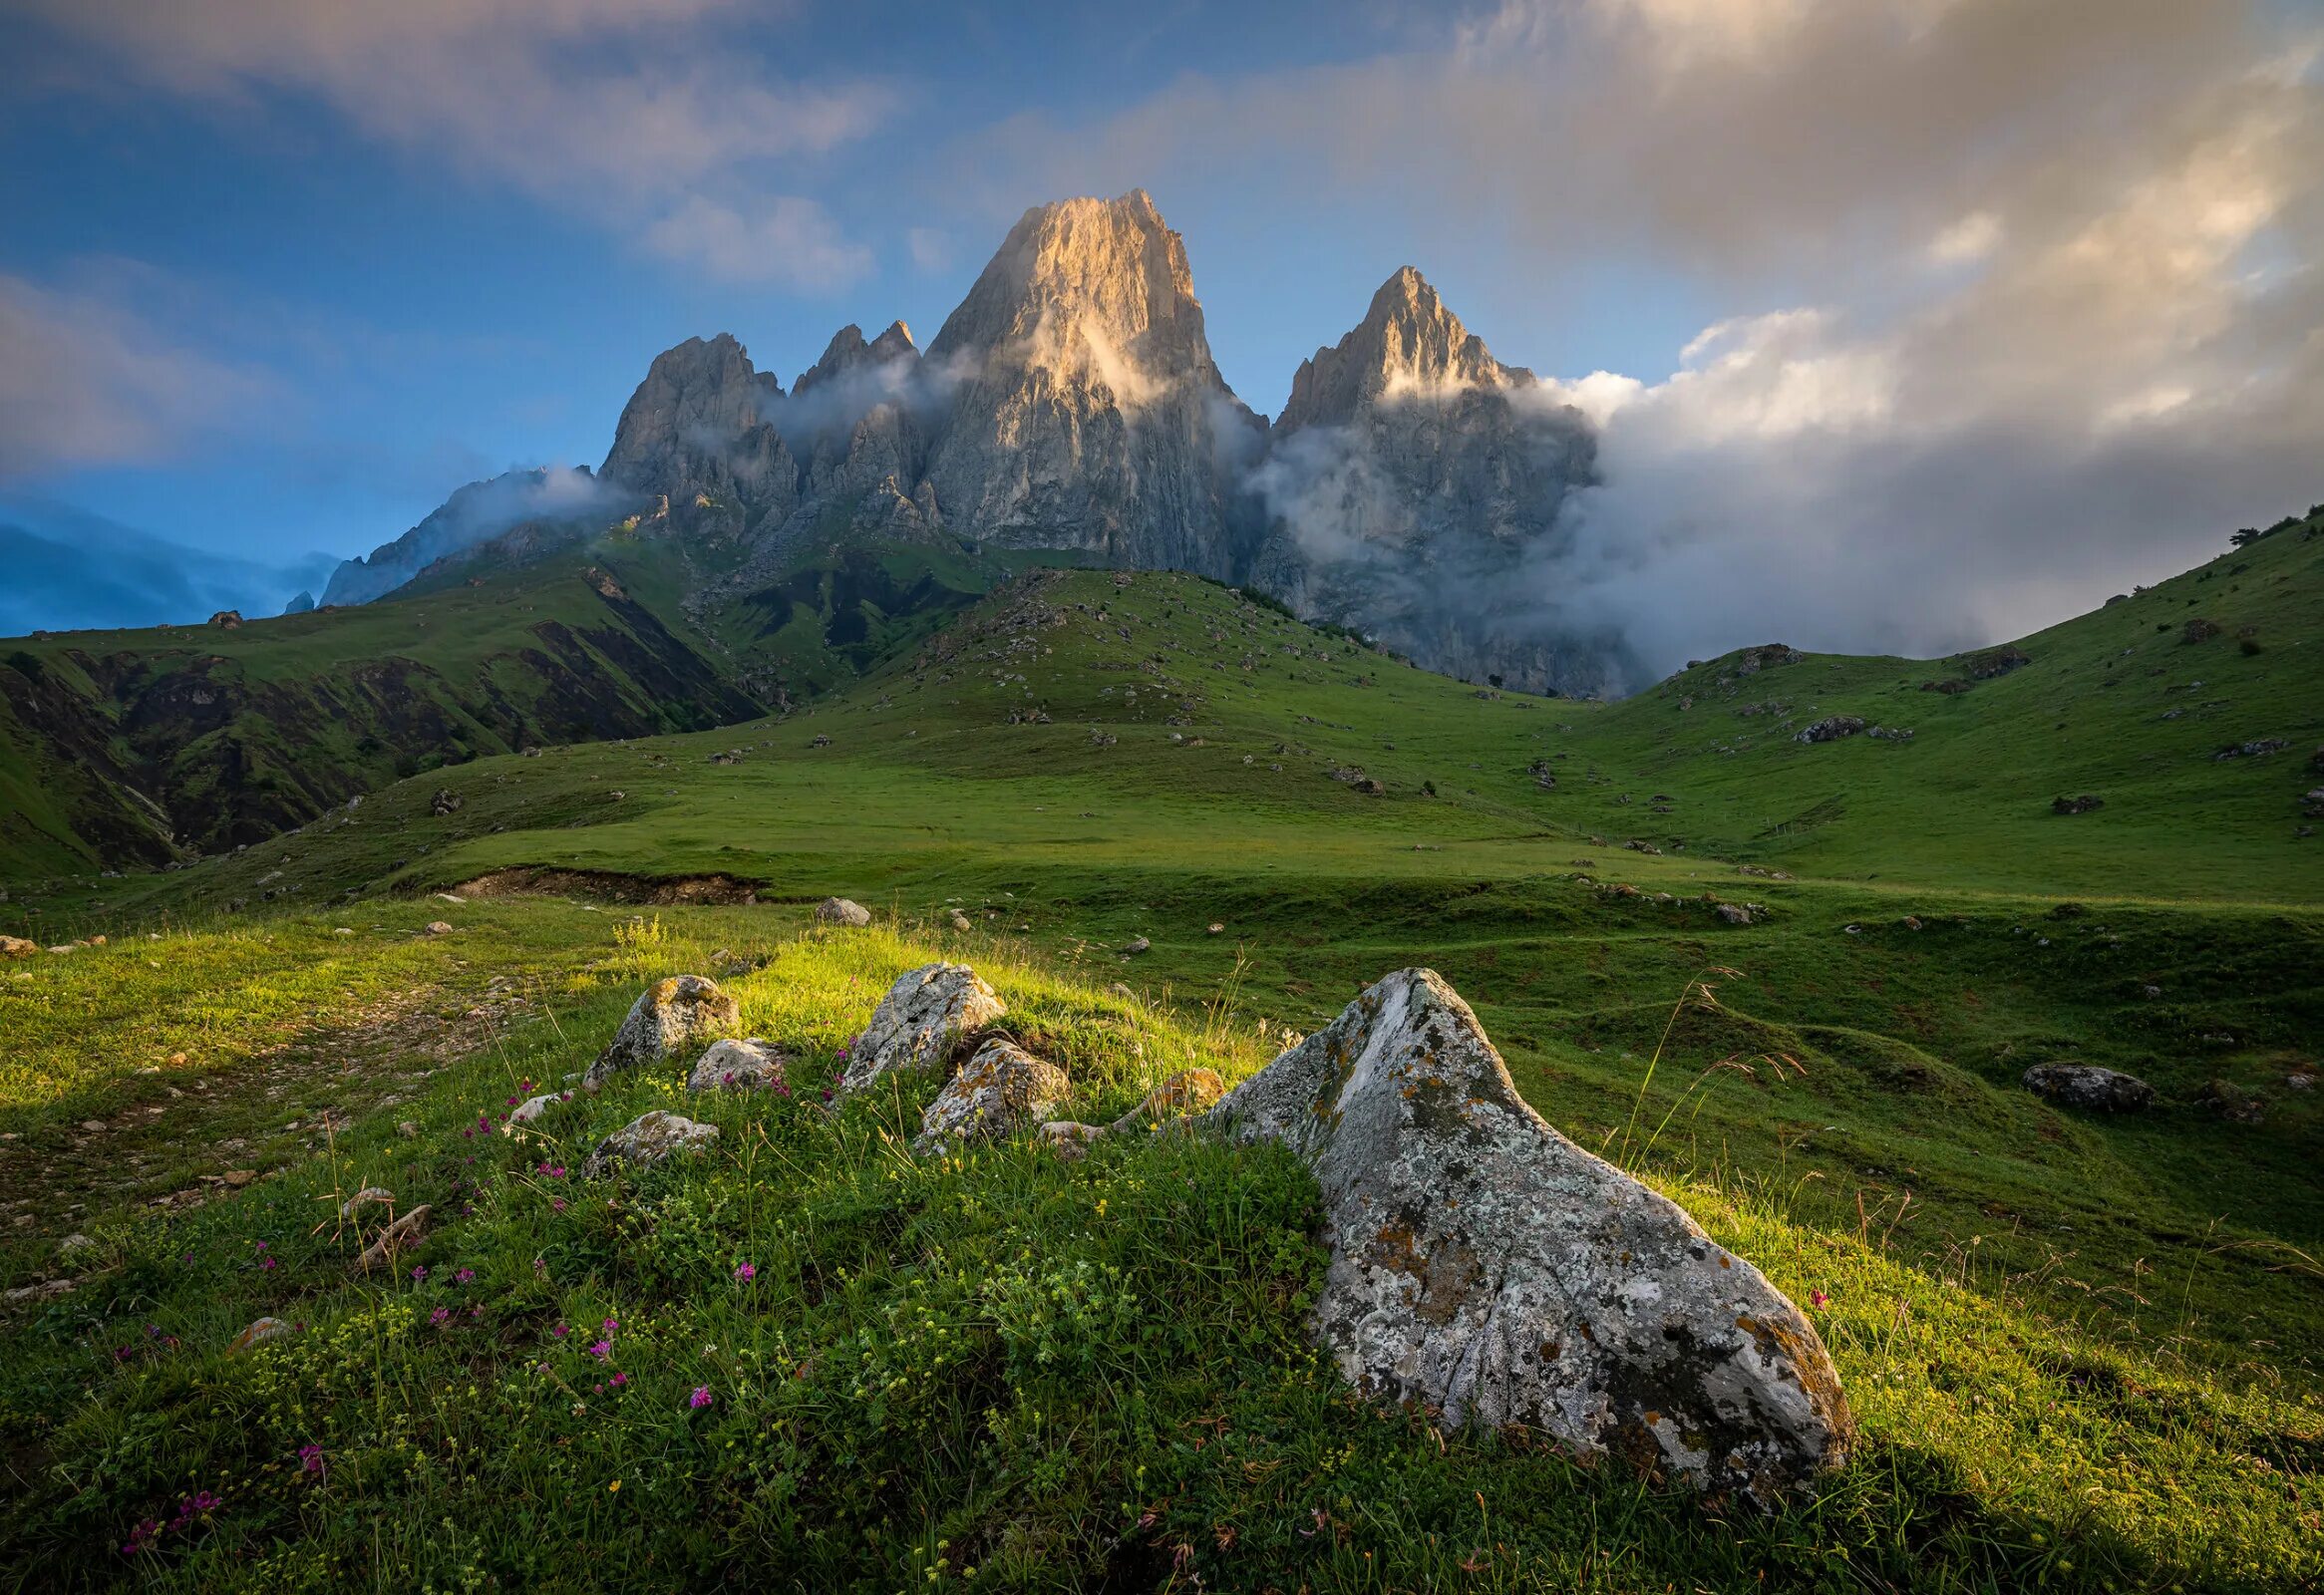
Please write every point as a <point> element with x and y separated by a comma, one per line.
<point>646,1140</point>
<point>994,1094</point>
<point>2089,1087</point>
<point>672,1015</point>
<point>1484,1265</point>
<point>916,1023</point>
<point>842,911</point>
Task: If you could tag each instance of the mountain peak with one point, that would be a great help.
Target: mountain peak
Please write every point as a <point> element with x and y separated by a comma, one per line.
<point>847,351</point>
<point>1408,341</point>
<point>1087,284</point>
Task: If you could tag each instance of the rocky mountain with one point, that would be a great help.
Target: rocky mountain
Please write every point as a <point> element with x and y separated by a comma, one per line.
<point>1072,403</point>
<point>555,500</point>
<point>1087,413</point>
<point>1414,487</point>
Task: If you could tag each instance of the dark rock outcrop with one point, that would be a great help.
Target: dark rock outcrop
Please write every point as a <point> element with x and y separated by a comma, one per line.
<point>2088,1085</point>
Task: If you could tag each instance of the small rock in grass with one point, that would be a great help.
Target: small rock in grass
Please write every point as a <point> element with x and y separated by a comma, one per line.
<point>1069,1140</point>
<point>363,1199</point>
<point>436,927</point>
<point>995,1093</point>
<point>1735,913</point>
<point>916,1023</point>
<point>673,1014</point>
<point>75,1242</point>
<point>237,1178</point>
<point>45,1290</point>
<point>531,1108</point>
<point>960,921</point>
<point>842,911</point>
<point>645,1140</point>
<point>1190,1090</point>
<point>405,1232</point>
<point>259,1333</point>
<point>752,1065</point>
<point>408,1128</point>
<point>1136,945</point>
<point>2088,1085</point>
<point>17,947</point>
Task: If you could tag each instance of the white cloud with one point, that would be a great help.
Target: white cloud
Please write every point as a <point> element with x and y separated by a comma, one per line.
<point>785,241</point>
<point>614,109</point>
<point>86,379</point>
<point>931,250</point>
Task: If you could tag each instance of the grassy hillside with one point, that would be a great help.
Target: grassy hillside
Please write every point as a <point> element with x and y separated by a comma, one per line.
<point>2086,1349</point>
<point>810,1361</point>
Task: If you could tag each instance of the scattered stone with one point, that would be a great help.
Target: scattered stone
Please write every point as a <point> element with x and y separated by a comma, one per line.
<point>1070,1140</point>
<point>924,1013</point>
<point>44,1291</point>
<point>259,1331</point>
<point>1188,1092</point>
<point>645,1140</point>
<point>237,1178</point>
<point>2200,630</point>
<point>842,911</point>
<point>405,1232</point>
<point>1136,945</point>
<point>531,1109</point>
<point>227,619</point>
<point>436,927</point>
<point>17,947</point>
<point>960,921</point>
<point>996,1092</point>
<point>444,801</point>
<point>2088,1085</point>
<point>75,1242</point>
<point>676,1013</point>
<point>1995,662</point>
<point>363,1199</point>
<point>1484,1266</point>
<point>2077,805</point>
<point>2257,747</point>
<point>752,1065</point>
<point>1735,913</point>
<point>408,1128</point>
<point>1830,729</point>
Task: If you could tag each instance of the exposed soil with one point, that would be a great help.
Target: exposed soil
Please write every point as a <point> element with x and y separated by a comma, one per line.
<point>611,886</point>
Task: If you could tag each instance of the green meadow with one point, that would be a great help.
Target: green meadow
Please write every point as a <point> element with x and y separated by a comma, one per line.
<point>2085,1352</point>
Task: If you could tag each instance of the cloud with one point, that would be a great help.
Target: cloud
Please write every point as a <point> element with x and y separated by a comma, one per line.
<point>617,109</point>
<point>69,569</point>
<point>931,248</point>
<point>86,379</point>
<point>787,241</point>
<point>2017,301</point>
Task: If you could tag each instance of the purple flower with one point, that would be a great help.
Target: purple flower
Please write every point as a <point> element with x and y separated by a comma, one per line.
<point>557,1205</point>
<point>601,1350</point>
<point>746,1272</point>
<point>267,1263</point>
<point>418,1270</point>
<point>620,1380</point>
<point>611,1325</point>
<point>700,1398</point>
<point>141,1537</point>
<point>462,1276</point>
<point>441,1315</point>
<point>310,1458</point>
<point>560,1332</point>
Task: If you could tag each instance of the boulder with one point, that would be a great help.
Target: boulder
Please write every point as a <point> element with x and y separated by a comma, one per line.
<point>437,927</point>
<point>916,1023</point>
<point>752,1065</point>
<point>646,1140</point>
<point>444,801</point>
<point>682,1011</point>
<point>995,1093</point>
<point>1735,913</point>
<point>842,911</point>
<point>17,947</point>
<point>2077,805</point>
<point>1069,1138</point>
<point>2087,1086</point>
<point>1830,729</point>
<point>1486,1266</point>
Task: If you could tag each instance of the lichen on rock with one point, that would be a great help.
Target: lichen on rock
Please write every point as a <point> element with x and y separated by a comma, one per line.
<point>995,1093</point>
<point>673,1014</point>
<point>916,1024</point>
<point>1486,1266</point>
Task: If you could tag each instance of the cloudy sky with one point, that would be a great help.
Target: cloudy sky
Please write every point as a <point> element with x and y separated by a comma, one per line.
<point>1909,322</point>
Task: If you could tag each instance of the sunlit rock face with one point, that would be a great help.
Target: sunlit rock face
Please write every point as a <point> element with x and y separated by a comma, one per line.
<point>1415,488</point>
<point>1086,411</point>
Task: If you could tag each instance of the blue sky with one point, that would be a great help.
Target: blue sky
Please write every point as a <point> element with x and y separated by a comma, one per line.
<point>279,275</point>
